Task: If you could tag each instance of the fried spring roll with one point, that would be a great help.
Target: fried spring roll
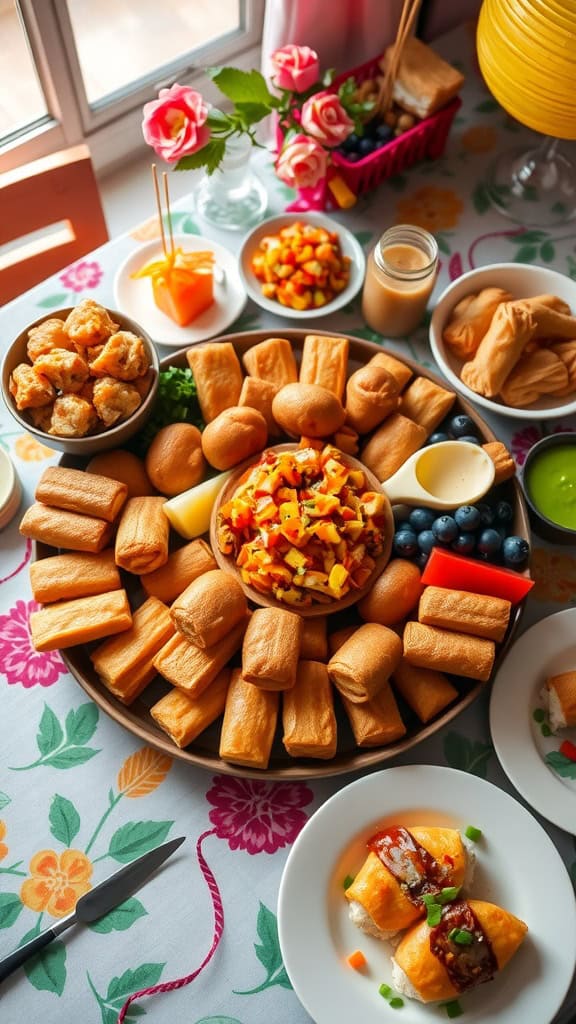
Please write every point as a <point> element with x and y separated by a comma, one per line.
<point>272,360</point>
<point>308,713</point>
<point>259,394</point>
<point>399,370</point>
<point>465,612</point>
<point>511,328</point>
<point>184,717</point>
<point>63,529</point>
<point>87,493</point>
<point>142,538</point>
<point>62,577</point>
<point>68,623</point>
<point>376,721</point>
<point>192,668</point>
<point>249,723</point>
<point>426,691</point>
<point>271,648</point>
<point>314,640</point>
<point>504,465</point>
<point>391,444</point>
<point>365,661</point>
<point>218,376</point>
<point>456,653</point>
<point>426,403</point>
<point>337,639</point>
<point>325,362</point>
<point>209,607</point>
<point>183,566</point>
<point>125,663</point>
<point>470,320</point>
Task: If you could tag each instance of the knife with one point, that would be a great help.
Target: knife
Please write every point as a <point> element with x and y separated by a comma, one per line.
<point>96,903</point>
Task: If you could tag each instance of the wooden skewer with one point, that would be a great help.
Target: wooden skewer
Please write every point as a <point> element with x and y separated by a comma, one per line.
<point>168,212</point>
<point>159,208</point>
<point>407,18</point>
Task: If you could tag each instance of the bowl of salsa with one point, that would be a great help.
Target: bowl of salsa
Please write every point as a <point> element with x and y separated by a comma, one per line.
<point>549,483</point>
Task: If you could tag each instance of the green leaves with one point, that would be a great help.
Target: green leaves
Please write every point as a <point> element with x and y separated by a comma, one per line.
<point>64,820</point>
<point>133,980</point>
<point>136,838</point>
<point>533,245</point>
<point>47,970</point>
<point>481,199</point>
<point>208,157</point>
<point>561,764</point>
<point>467,755</point>
<point>65,746</point>
<point>268,953</point>
<point>243,86</point>
<point>10,908</point>
<point>121,918</point>
<point>4,800</point>
<point>53,301</point>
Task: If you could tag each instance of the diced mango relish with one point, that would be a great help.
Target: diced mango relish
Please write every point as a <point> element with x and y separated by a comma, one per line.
<point>303,526</point>
<point>302,266</point>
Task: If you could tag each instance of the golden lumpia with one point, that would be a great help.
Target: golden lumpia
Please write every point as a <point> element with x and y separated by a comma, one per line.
<point>142,538</point>
<point>87,493</point>
<point>81,574</point>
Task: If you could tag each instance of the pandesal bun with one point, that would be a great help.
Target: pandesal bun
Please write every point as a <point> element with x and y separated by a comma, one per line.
<point>174,460</point>
<point>308,409</point>
<point>126,467</point>
<point>395,594</point>
<point>371,395</point>
<point>234,435</point>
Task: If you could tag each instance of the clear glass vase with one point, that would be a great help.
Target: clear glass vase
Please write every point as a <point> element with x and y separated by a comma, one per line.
<point>232,198</point>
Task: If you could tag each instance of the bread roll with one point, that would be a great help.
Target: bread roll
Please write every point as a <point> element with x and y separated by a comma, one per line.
<point>308,409</point>
<point>209,608</point>
<point>393,595</point>
<point>365,661</point>
<point>174,460</point>
<point>124,466</point>
<point>371,395</point>
<point>234,435</point>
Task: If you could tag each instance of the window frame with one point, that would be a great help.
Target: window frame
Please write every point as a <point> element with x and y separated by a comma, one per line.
<point>112,129</point>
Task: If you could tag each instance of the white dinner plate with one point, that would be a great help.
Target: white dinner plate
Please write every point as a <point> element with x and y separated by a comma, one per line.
<point>134,296</point>
<point>518,867</point>
<point>546,649</point>
<point>348,244</point>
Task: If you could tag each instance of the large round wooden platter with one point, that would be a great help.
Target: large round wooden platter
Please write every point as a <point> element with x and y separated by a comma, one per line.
<point>203,752</point>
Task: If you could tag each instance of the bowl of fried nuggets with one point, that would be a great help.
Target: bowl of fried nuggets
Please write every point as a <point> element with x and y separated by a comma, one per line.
<point>81,379</point>
<point>191,667</point>
<point>504,336</point>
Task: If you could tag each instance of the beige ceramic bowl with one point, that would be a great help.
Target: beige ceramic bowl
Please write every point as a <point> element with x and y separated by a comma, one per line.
<point>113,437</point>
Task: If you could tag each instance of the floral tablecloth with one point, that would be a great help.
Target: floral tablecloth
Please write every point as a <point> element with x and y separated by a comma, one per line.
<point>79,796</point>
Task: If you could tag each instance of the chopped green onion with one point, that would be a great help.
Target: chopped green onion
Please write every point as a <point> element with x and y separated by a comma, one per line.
<point>347,881</point>
<point>447,894</point>
<point>461,936</point>
<point>538,714</point>
<point>453,1009</point>
<point>396,1003</point>
<point>385,990</point>
<point>473,833</point>
<point>433,910</point>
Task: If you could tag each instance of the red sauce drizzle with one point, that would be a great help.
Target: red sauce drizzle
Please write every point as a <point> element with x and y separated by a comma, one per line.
<point>413,867</point>
<point>466,966</point>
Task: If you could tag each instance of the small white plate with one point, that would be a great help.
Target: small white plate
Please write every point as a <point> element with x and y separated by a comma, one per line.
<point>348,243</point>
<point>546,649</point>
<point>134,296</point>
<point>518,867</point>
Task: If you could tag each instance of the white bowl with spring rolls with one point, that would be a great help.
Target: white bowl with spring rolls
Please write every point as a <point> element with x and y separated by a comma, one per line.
<point>494,924</point>
<point>173,677</point>
<point>504,335</point>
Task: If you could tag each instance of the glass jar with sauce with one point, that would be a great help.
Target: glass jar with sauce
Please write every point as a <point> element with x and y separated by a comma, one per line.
<point>400,276</point>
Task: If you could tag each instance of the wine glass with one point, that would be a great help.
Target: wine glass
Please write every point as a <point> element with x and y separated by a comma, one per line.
<point>527,56</point>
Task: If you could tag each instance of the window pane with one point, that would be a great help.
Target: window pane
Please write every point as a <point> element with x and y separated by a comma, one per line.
<point>122,41</point>
<point>21,98</point>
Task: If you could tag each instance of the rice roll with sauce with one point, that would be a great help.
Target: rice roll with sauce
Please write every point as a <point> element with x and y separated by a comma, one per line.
<point>559,696</point>
<point>402,866</point>
<point>472,942</point>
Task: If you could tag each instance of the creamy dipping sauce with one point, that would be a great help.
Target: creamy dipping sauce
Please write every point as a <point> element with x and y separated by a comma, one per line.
<point>456,474</point>
<point>400,276</point>
<point>551,484</point>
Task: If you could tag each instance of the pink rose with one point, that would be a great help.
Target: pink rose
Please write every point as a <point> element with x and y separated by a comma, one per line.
<point>324,117</point>
<point>302,163</point>
<point>295,67</point>
<point>175,124</point>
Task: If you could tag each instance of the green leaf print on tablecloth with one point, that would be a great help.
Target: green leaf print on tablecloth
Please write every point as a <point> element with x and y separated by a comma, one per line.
<point>467,755</point>
<point>4,801</point>
<point>47,970</point>
<point>268,953</point>
<point>123,986</point>
<point>64,747</point>
<point>10,908</point>
<point>219,1020</point>
<point>561,764</point>
<point>121,918</point>
<point>64,820</point>
<point>136,838</point>
<point>53,301</point>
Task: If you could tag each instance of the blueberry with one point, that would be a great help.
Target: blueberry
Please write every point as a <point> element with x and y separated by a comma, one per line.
<point>445,529</point>
<point>516,552</point>
<point>405,543</point>
<point>421,559</point>
<point>438,436</point>
<point>486,513</point>
<point>352,156</point>
<point>489,542</point>
<point>350,144</point>
<point>421,519</point>
<point>468,517</point>
<point>464,543</point>
<point>470,438</point>
<point>401,513</point>
<point>426,541</point>
<point>504,512</point>
<point>366,146</point>
<point>461,426</point>
<point>383,133</point>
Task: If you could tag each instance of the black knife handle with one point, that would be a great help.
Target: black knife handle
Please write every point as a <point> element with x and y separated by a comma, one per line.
<point>15,960</point>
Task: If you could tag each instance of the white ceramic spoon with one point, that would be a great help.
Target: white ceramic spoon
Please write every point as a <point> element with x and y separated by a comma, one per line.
<point>443,475</point>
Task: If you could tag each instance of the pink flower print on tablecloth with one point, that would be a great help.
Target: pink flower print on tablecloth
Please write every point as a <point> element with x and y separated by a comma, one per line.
<point>523,440</point>
<point>258,816</point>
<point>19,662</point>
<point>82,275</point>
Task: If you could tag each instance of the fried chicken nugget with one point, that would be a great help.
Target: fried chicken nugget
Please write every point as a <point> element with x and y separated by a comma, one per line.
<point>89,323</point>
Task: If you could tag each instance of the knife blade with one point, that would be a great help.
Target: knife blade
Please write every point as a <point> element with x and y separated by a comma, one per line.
<point>96,903</point>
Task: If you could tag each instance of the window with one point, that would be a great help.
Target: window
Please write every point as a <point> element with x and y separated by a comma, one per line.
<point>75,70</point>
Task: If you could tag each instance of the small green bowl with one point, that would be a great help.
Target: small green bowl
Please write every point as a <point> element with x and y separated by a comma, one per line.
<point>542,524</point>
